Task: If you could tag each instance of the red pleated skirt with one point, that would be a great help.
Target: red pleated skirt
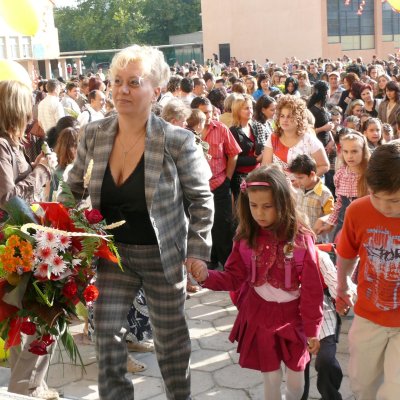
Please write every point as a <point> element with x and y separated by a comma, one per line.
<point>269,333</point>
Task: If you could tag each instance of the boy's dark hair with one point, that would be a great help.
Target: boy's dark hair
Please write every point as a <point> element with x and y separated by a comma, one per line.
<point>303,164</point>
<point>382,171</point>
<point>200,101</point>
<point>70,86</point>
<point>187,85</point>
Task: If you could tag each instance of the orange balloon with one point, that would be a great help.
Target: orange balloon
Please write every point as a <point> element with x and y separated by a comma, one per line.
<point>395,4</point>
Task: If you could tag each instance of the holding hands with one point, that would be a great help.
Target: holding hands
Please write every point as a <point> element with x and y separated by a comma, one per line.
<point>344,300</point>
<point>313,345</point>
<point>197,268</point>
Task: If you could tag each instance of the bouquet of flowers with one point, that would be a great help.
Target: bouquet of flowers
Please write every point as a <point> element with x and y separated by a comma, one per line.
<point>46,254</point>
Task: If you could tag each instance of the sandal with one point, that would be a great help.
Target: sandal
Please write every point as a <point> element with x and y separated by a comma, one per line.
<point>140,347</point>
<point>134,365</point>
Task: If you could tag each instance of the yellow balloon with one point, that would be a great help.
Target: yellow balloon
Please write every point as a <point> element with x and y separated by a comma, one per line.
<point>11,70</point>
<point>395,4</point>
<point>3,353</point>
<point>21,15</point>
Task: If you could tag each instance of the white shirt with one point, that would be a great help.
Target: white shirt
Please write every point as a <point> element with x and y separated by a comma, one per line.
<point>50,111</point>
<point>70,104</point>
<point>89,114</point>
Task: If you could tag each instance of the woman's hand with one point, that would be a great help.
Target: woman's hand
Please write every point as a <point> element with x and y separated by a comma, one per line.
<point>197,268</point>
<point>328,126</point>
<point>40,159</point>
<point>313,345</point>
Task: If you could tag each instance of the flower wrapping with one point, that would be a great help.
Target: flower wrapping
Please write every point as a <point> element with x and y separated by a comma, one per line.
<point>45,270</point>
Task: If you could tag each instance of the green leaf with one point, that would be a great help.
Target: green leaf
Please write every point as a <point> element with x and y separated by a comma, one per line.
<point>68,198</point>
<point>71,348</point>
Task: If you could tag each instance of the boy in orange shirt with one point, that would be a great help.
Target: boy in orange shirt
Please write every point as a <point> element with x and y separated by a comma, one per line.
<point>371,231</point>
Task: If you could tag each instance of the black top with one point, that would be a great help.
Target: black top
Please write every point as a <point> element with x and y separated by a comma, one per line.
<point>127,202</point>
<point>322,117</point>
<point>373,113</point>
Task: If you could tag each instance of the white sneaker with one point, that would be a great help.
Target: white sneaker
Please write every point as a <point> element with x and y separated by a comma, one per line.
<point>45,394</point>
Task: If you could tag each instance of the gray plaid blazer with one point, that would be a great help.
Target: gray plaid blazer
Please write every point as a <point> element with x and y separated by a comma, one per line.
<point>173,167</point>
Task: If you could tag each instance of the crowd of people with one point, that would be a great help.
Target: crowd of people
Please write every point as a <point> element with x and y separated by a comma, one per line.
<point>236,177</point>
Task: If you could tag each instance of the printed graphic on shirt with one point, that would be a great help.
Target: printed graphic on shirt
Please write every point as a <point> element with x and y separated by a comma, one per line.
<point>382,270</point>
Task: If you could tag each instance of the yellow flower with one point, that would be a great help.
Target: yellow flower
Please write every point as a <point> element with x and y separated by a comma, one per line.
<point>88,175</point>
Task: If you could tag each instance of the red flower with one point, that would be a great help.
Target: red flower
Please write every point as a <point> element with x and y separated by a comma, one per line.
<point>38,347</point>
<point>91,293</point>
<point>29,328</point>
<point>93,216</point>
<point>70,289</point>
<point>47,340</point>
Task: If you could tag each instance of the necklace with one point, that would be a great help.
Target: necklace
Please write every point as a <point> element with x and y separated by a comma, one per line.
<point>125,152</point>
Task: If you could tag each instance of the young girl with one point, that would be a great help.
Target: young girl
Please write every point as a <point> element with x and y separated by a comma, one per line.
<point>280,309</point>
<point>372,129</point>
<point>349,179</point>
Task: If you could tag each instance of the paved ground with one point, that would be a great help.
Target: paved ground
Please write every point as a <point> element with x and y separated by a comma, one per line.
<point>215,372</point>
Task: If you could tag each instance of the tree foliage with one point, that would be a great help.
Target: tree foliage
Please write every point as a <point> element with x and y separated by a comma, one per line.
<point>113,24</point>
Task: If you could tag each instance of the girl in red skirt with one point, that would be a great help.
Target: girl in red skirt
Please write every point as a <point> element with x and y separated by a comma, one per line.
<point>280,311</point>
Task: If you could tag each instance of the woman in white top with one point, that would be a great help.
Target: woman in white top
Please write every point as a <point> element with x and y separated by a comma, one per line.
<point>292,137</point>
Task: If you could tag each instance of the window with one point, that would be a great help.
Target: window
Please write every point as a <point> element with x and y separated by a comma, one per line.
<point>26,47</point>
<point>345,26</point>
<point>390,23</point>
<point>14,51</point>
<point>2,47</point>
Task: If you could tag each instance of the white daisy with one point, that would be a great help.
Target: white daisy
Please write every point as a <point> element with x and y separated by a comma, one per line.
<point>44,253</point>
<point>64,243</point>
<point>58,265</point>
<point>47,239</point>
<point>41,270</point>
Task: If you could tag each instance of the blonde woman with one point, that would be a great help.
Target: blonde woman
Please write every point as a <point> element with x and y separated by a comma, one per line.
<point>292,137</point>
<point>304,88</point>
<point>144,167</point>
<point>246,136</point>
<point>251,84</point>
<point>26,180</point>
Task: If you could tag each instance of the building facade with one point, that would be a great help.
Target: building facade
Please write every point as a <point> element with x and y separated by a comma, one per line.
<point>39,54</point>
<point>275,29</point>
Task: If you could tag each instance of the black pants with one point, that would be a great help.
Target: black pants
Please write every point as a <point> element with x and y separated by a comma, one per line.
<point>329,371</point>
<point>222,230</point>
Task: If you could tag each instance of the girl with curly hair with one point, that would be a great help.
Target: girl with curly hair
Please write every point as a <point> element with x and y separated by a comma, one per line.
<point>292,137</point>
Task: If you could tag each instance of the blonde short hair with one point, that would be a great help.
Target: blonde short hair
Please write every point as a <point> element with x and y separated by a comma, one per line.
<point>152,60</point>
<point>15,109</point>
<point>176,110</point>
<point>237,106</point>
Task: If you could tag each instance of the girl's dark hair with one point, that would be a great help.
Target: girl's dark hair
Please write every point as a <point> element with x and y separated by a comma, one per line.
<point>63,122</point>
<point>319,94</point>
<point>286,225</point>
<point>356,89</point>
<point>67,142</point>
<point>393,86</point>
<point>295,82</point>
<point>263,102</point>
<point>380,174</point>
<point>260,78</point>
<point>369,122</point>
